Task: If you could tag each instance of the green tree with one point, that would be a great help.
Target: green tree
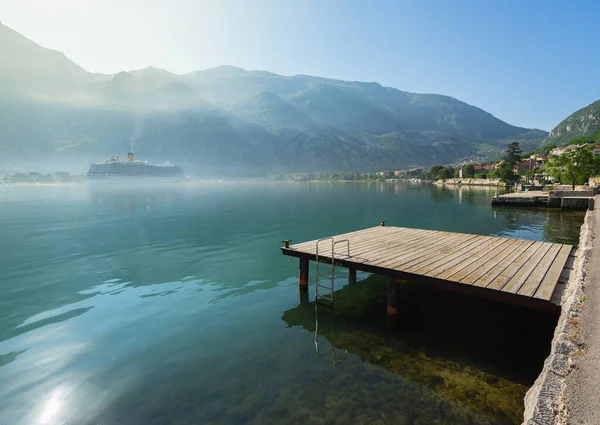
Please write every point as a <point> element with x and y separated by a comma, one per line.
<point>469,171</point>
<point>436,169</point>
<point>446,173</point>
<point>505,172</point>
<point>512,154</point>
<point>573,166</point>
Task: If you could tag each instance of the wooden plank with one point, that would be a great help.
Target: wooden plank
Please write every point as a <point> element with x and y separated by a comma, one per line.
<point>384,254</point>
<point>365,256</point>
<point>515,283</point>
<point>311,244</point>
<point>438,245</point>
<point>486,267</point>
<point>498,275</point>
<point>469,247</point>
<point>547,286</point>
<point>368,246</point>
<point>362,242</point>
<point>491,256</point>
<point>462,258</point>
<point>420,241</point>
<point>437,249</point>
<point>392,239</point>
<point>418,248</point>
<point>351,235</point>
<point>537,275</point>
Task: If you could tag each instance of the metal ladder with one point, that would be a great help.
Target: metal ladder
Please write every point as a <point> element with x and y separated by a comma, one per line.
<point>331,287</point>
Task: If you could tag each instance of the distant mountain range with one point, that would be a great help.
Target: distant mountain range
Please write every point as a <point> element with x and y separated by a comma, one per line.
<point>584,122</point>
<point>229,120</point>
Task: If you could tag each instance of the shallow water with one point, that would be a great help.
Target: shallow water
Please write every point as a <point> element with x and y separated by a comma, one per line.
<point>173,305</point>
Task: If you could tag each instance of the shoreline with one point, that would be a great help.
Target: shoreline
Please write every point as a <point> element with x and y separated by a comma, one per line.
<point>546,402</point>
<point>470,182</point>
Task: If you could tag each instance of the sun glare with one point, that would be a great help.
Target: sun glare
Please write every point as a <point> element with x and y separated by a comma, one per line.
<point>51,409</point>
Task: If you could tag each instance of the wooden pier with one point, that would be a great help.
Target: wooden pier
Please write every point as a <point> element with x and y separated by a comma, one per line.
<point>523,272</point>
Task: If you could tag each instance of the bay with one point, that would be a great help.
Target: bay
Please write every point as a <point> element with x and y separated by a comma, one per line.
<point>173,305</point>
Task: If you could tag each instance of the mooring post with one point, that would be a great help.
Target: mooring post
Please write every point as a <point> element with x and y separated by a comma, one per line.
<point>392,298</point>
<point>303,275</point>
<point>382,223</point>
<point>351,276</point>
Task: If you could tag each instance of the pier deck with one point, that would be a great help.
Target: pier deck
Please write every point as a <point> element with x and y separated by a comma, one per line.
<point>522,272</point>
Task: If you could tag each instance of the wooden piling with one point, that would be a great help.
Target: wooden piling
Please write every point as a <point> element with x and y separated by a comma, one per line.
<point>392,298</point>
<point>303,275</point>
<point>303,297</point>
<point>351,276</point>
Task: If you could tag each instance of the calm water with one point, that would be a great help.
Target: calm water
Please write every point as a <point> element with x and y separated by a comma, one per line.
<point>173,305</point>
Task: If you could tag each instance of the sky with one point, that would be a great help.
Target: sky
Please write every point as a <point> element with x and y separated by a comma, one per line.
<point>528,62</point>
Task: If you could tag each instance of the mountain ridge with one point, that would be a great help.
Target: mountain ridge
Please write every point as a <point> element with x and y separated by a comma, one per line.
<point>279,123</point>
<point>583,122</point>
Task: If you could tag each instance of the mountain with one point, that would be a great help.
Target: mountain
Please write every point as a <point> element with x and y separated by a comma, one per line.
<point>230,120</point>
<point>584,122</point>
<point>27,67</point>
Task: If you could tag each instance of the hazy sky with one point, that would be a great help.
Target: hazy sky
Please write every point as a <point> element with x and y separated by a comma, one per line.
<point>528,62</point>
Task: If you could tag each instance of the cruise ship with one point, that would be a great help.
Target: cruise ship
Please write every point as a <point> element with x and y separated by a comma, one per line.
<point>132,171</point>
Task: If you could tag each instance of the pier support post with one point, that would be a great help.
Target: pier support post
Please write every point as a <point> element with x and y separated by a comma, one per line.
<point>303,297</point>
<point>351,276</point>
<point>303,275</point>
<point>392,298</point>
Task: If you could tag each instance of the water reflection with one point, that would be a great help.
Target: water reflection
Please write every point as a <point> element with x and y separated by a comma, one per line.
<point>478,356</point>
<point>539,223</point>
<point>52,407</point>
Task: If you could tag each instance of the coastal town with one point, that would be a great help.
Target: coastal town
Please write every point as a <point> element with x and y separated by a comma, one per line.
<point>575,164</point>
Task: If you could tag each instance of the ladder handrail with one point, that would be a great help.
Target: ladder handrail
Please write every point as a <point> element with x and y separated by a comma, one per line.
<point>322,240</point>
<point>317,255</point>
<point>337,242</point>
<point>332,277</point>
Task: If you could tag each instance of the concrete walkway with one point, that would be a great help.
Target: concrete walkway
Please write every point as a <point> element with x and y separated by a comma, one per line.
<point>583,383</point>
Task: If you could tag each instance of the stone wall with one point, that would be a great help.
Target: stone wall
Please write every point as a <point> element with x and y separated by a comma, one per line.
<point>471,182</point>
<point>525,201</point>
<point>577,203</point>
<point>569,187</point>
<point>544,402</point>
<point>590,191</point>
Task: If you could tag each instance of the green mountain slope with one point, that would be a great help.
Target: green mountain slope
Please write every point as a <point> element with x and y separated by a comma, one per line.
<point>584,122</point>
<point>230,120</point>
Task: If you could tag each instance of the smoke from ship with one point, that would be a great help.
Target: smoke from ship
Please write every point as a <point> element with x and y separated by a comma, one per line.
<point>135,133</point>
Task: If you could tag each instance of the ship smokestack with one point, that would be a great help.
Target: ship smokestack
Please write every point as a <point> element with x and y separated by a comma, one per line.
<point>130,156</point>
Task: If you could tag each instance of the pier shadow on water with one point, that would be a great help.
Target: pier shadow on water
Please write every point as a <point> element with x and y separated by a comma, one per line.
<point>453,358</point>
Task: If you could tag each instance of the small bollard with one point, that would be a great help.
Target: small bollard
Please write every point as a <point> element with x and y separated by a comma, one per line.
<point>382,223</point>
<point>286,243</point>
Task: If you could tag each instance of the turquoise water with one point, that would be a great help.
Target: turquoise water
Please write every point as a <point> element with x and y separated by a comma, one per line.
<point>173,305</point>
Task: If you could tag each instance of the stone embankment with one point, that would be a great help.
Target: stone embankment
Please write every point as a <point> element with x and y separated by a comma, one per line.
<point>568,199</point>
<point>471,182</point>
<point>568,389</point>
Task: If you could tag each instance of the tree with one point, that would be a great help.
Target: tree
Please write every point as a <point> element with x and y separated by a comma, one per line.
<point>436,169</point>
<point>506,174</point>
<point>530,174</point>
<point>512,154</point>
<point>573,166</point>
<point>469,171</point>
<point>446,173</point>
